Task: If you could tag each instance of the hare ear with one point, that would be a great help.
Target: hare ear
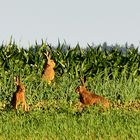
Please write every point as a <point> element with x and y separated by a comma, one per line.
<point>17,80</point>
<point>85,79</point>
<point>82,82</point>
<point>48,55</point>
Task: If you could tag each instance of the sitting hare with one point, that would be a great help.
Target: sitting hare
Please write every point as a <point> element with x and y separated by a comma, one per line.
<point>90,98</point>
<point>48,71</point>
<point>19,95</point>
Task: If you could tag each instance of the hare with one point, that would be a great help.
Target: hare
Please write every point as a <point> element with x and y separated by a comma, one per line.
<point>48,71</point>
<point>90,98</point>
<point>19,95</point>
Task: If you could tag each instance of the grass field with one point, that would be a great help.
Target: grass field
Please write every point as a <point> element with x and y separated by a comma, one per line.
<point>54,111</point>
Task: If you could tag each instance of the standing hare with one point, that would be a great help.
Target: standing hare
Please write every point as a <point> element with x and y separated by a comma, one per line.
<point>48,71</point>
<point>90,98</point>
<point>19,96</point>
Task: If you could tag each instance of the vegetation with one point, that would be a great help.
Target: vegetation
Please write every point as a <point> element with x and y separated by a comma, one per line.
<point>54,112</point>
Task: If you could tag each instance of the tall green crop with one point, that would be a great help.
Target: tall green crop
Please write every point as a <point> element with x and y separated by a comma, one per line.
<point>111,61</point>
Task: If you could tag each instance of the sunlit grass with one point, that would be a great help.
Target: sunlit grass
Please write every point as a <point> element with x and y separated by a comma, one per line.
<point>54,113</point>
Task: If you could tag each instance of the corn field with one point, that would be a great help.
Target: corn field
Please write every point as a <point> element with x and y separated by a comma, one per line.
<point>109,61</point>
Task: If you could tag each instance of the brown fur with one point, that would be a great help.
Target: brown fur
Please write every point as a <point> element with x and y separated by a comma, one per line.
<point>19,96</point>
<point>48,71</point>
<point>90,98</point>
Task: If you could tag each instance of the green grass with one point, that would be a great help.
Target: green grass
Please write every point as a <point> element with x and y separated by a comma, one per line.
<point>118,124</point>
<point>54,112</point>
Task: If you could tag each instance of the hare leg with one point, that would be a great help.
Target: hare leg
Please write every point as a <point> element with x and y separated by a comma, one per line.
<point>16,105</point>
<point>24,107</point>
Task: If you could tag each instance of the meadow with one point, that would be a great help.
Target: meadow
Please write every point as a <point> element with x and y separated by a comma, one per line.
<point>54,112</point>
